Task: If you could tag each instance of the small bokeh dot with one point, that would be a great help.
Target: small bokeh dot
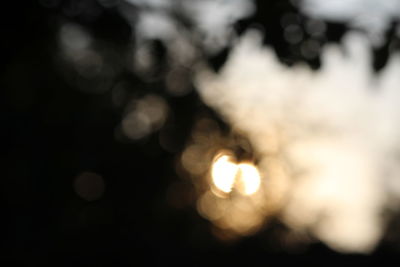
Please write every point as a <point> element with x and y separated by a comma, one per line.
<point>89,186</point>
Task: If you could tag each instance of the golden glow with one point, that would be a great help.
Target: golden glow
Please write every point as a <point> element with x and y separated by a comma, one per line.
<point>227,174</point>
<point>326,156</point>
<point>249,179</point>
<point>223,173</point>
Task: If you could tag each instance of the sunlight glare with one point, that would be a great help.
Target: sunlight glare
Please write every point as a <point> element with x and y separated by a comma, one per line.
<point>249,178</point>
<point>223,173</point>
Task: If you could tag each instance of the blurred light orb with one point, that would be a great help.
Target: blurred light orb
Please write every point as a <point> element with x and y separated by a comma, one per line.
<point>293,34</point>
<point>136,125</point>
<point>249,178</point>
<point>146,116</point>
<point>89,186</point>
<point>226,174</point>
<point>315,27</point>
<point>223,173</point>
<point>74,38</point>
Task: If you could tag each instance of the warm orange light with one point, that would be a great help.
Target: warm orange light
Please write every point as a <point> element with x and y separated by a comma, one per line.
<point>223,173</point>
<point>249,179</point>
